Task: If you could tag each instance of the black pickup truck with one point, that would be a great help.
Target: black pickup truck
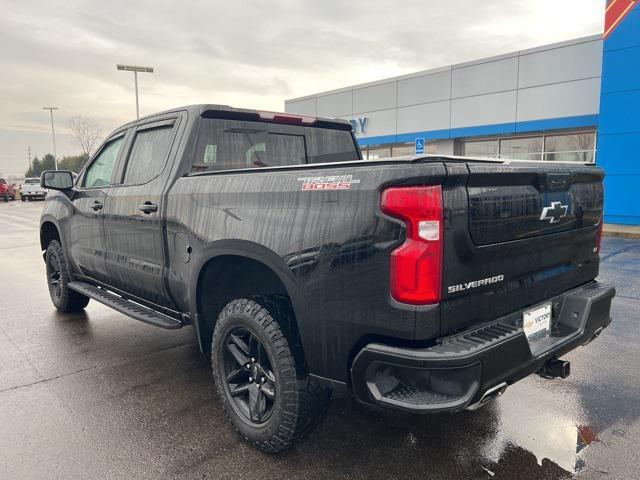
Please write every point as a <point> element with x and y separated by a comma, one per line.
<point>423,284</point>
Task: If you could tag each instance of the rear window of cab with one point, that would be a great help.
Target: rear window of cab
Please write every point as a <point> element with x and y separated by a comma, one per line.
<point>231,144</point>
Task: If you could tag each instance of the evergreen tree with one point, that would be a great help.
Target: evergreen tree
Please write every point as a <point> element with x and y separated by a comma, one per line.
<point>36,168</point>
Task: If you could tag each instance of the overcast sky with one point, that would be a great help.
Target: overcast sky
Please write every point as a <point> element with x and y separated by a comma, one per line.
<point>245,53</point>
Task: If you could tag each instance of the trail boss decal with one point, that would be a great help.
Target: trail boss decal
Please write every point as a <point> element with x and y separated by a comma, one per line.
<point>475,284</point>
<point>337,182</point>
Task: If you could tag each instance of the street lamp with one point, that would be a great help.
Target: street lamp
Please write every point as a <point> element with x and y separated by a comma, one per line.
<point>135,69</point>
<point>53,133</point>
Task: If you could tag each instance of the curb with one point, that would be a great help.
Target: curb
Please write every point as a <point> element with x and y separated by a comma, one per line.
<point>621,231</point>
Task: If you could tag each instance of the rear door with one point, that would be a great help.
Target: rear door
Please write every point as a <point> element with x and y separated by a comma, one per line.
<point>134,229</point>
<point>87,245</point>
<point>516,234</point>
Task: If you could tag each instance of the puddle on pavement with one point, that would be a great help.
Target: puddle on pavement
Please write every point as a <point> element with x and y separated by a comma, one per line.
<point>548,426</point>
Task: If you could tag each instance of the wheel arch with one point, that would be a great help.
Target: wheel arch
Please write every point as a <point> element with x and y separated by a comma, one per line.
<point>247,269</point>
<point>49,231</point>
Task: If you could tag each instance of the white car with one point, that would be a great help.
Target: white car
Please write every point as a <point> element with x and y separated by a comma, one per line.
<point>31,189</point>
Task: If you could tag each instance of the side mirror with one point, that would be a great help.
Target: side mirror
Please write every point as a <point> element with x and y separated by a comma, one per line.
<point>57,179</point>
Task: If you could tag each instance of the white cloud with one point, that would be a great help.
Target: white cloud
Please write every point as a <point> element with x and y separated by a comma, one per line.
<point>249,54</point>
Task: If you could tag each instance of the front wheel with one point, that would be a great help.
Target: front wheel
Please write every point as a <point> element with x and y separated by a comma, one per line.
<point>5,197</point>
<point>58,278</point>
<point>259,378</point>
<point>23,198</point>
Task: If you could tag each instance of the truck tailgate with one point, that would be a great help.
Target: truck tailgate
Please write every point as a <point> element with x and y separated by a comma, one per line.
<point>515,235</point>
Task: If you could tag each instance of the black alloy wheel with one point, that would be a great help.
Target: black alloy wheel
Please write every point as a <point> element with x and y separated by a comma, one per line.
<point>249,375</point>
<point>53,276</point>
<point>58,279</point>
<point>260,373</point>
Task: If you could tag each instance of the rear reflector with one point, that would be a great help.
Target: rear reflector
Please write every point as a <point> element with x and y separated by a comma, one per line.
<point>416,265</point>
<point>599,237</point>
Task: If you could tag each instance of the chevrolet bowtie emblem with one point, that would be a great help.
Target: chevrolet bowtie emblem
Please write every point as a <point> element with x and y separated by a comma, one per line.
<point>554,213</point>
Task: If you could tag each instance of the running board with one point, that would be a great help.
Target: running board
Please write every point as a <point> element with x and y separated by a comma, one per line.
<point>127,307</point>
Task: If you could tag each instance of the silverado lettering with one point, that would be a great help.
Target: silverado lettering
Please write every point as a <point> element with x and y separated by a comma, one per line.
<point>195,217</point>
<point>475,284</point>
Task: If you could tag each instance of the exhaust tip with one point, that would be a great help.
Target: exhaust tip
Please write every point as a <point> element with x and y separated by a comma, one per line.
<point>594,336</point>
<point>488,396</point>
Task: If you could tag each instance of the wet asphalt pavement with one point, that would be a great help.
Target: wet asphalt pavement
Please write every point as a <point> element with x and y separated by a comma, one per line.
<point>98,395</point>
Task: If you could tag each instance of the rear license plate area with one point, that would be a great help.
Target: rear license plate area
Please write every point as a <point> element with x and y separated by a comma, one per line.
<point>536,322</point>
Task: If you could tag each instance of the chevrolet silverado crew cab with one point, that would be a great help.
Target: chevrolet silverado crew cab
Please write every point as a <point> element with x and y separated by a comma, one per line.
<point>422,284</point>
<point>31,189</point>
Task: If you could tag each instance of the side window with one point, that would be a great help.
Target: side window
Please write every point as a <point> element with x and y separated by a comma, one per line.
<point>148,155</point>
<point>99,172</point>
<point>229,145</point>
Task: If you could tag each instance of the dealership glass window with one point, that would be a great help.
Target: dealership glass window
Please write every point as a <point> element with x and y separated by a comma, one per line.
<point>410,149</point>
<point>574,147</point>
<point>398,150</point>
<point>384,152</point>
<point>481,148</point>
<point>527,148</point>
<point>567,147</point>
<point>402,150</point>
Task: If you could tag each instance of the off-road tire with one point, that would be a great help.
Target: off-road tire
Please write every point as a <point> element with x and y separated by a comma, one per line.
<point>300,404</point>
<point>62,297</point>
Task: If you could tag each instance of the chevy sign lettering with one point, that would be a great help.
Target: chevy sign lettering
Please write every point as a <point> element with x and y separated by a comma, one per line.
<point>359,125</point>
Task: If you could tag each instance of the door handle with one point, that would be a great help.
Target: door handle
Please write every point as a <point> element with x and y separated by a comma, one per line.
<point>96,206</point>
<point>148,207</point>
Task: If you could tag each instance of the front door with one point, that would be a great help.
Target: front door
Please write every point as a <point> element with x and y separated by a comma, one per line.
<point>86,229</point>
<point>133,212</point>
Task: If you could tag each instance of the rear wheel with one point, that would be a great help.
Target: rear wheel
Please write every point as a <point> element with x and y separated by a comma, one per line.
<point>5,197</point>
<point>259,377</point>
<point>58,278</point>
<point>23,198</point>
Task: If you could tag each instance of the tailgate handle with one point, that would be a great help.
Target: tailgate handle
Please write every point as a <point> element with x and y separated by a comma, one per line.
<point>555,182</point>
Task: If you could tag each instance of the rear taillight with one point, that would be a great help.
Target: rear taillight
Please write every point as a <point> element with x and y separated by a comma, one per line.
<point>416,265</point>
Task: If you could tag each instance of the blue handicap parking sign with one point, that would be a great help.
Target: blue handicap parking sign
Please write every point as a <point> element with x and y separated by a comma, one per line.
<point>419,145</point>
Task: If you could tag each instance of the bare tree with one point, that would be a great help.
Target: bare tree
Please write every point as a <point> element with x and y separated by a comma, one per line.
<point>86,134</point>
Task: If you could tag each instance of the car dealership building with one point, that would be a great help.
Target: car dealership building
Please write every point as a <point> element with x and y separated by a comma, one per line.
<point>572,101</point>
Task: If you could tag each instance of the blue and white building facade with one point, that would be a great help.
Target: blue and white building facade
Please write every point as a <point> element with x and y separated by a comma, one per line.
<point>573,101</point>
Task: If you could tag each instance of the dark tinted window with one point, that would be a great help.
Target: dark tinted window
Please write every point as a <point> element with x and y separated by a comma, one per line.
<point>148,155</point>
<point>232,144</point>
<point>99,172</point>
<point>325,145</point>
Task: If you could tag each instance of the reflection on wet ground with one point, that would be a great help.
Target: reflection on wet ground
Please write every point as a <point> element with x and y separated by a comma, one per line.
<point>97,395</point>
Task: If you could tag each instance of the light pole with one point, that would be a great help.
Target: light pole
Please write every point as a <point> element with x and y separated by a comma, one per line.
<point>135,69</point>
<point>53,133</point>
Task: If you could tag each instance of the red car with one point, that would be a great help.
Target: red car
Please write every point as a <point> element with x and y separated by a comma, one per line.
<point>7,191</point>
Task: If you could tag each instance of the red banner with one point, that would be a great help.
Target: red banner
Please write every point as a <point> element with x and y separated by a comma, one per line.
<point>615,13</point>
